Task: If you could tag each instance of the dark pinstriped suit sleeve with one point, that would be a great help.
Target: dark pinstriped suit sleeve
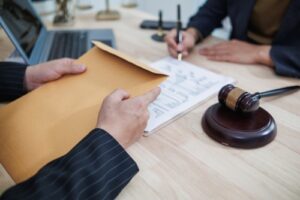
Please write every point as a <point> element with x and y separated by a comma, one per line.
<point>209,17</point>
<point>97,168</point>
<point>11,80</point>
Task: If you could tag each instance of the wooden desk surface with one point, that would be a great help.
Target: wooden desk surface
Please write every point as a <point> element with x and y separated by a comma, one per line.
<point>181,162</point>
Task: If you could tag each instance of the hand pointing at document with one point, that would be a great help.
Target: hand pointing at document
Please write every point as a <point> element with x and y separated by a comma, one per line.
<point>126,118</point>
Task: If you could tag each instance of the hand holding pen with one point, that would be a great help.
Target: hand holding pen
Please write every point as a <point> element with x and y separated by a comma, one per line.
<point>180,42</point>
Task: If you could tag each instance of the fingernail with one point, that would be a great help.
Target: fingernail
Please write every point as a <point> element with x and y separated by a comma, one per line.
<point>81,67</point>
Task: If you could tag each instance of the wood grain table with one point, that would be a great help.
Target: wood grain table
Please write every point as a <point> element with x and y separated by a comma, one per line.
<point>180,161</point>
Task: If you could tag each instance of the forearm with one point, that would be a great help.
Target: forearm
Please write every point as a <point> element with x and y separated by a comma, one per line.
<point>11,80</point>
<point>209,17</point>
<point>98,168</point>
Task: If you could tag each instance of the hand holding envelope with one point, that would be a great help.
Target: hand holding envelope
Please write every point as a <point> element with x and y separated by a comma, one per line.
<point>47,122</point>
<point>38,75</point>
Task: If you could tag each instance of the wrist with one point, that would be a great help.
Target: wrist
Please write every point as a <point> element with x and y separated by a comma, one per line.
<point>263,56</point>
<point>114,133</point>
<point>105,132</point>
<point>195,33</point>
<point>28,79</point>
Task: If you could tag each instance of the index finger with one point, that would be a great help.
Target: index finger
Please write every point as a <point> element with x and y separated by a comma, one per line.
<point>170,39</point>
<point>150,96</point>
<point>171,42</point>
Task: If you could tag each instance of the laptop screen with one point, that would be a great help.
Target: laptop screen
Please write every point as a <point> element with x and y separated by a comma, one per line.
<point>22,22</point>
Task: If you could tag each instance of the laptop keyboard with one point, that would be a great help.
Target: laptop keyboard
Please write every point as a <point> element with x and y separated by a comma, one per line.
<point>68,44</point>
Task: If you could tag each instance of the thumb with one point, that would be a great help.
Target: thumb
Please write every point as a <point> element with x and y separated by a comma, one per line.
<point>68,66</point>
<point>118,95</point>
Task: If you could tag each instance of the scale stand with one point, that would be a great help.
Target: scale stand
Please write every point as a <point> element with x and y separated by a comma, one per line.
<point>108,14</point>
<point>129,4</point>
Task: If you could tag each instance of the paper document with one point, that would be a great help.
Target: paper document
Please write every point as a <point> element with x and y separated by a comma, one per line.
<point>185,88</point>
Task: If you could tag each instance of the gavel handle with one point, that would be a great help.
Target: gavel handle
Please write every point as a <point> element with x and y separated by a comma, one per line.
<point>279,91</point>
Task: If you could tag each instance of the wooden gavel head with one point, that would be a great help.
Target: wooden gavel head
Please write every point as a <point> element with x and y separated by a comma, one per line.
<point>239,100</point>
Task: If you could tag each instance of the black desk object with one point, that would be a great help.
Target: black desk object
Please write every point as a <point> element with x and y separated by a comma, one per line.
<point>153,24</point>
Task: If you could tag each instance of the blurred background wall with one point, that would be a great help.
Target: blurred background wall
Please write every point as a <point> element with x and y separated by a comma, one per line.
<point>189,7</point>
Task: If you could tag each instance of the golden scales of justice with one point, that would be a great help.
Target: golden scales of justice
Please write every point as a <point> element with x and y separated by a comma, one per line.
<point>64,14</point>
<point>109,14</point>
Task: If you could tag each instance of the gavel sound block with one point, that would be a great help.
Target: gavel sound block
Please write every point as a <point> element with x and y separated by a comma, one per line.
<point>241,130</point>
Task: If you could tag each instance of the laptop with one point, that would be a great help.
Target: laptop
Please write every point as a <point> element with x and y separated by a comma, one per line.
<point>36,44</point>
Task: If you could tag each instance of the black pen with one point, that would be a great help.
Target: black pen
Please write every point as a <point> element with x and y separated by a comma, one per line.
<point>178,32</point>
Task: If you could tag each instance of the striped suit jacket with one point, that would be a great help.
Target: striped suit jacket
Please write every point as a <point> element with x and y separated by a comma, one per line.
<point>96,168</point>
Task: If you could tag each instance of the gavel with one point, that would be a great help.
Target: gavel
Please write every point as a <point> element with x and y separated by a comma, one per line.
<point>239,100</point>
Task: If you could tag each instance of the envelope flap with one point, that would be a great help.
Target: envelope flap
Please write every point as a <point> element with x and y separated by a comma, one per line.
<point>127,58</point>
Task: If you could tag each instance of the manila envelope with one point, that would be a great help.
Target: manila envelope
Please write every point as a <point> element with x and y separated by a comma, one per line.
<point>49,121</point>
